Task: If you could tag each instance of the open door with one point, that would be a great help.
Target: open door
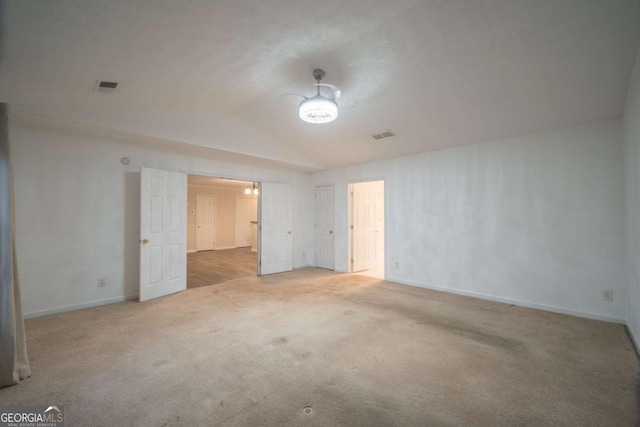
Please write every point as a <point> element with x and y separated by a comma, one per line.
<point>163,233</point>
<point>364,235</point>
<point>276,240</point>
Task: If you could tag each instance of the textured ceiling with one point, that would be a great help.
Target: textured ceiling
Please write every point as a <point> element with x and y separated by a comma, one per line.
<point>439,73</point>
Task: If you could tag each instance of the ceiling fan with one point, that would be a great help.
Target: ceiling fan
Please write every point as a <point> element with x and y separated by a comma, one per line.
<point>319,108</point>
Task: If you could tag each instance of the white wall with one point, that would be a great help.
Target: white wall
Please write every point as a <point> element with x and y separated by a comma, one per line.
<point>631,126</point>
<point>78,219</point>
<point>537,220</point>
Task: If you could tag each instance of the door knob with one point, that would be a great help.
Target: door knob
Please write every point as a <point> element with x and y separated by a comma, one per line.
<point>289,232</point>
<point>330,231</point>
<point>145,241</point>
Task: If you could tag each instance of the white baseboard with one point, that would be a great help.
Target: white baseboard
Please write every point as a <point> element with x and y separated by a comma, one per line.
<point>80,306</point>
<point>544,307</point>
<point>297,267</point>
<point>221,248</point>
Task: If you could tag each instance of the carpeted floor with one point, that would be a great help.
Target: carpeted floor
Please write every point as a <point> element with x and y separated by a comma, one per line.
<point>314,348</point>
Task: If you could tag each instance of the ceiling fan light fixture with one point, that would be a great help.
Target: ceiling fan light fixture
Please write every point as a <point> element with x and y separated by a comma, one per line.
<point>318,109</point>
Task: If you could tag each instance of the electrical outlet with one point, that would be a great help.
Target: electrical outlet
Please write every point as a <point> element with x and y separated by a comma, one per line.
<point>607,295</point>
<point>304,254</point>
<point>102,282</point>
<point>397,265</point>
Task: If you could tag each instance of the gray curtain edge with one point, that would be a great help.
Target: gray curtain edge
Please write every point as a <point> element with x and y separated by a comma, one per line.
<point>14,362</point>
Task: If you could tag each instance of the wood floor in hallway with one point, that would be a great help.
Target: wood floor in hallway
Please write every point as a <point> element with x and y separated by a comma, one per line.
<point>213,267</point>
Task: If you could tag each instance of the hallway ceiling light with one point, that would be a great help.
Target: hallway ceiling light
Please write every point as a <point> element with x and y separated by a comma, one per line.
<point>252,189</point>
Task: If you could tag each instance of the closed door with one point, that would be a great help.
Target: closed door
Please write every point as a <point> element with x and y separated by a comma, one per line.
<point>163,233</point>
<point>364,237</point>
<point>276,239</point>
<point>246,211</point>
<point>205,222</point>
<point>324,237</point>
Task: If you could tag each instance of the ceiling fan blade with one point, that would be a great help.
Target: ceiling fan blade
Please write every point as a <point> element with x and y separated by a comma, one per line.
<point>336,91</point>
<point>292,94</point>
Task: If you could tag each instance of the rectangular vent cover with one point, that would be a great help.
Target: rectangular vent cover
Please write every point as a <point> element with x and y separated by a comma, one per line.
<point>382,135</point>
<point>105,87</point>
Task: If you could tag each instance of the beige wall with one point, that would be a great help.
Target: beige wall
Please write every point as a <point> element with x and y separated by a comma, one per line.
<point>225,214</point>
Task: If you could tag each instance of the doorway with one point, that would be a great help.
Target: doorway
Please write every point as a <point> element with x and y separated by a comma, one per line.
<point>164,233</point>
<point>367,228</point>
<point>221,230</point>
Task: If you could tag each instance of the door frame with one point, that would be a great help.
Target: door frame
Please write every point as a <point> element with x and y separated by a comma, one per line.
<point>235,178</point>
<point>215,217</point>
<point>350,221</point>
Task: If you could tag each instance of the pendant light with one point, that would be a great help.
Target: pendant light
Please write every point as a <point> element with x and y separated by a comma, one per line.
<point>252,189</point>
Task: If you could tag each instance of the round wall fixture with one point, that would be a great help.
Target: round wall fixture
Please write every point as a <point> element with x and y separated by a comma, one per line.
<point>125,161</point>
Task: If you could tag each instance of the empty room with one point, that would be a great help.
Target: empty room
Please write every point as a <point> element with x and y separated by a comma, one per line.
<point>338,213</point>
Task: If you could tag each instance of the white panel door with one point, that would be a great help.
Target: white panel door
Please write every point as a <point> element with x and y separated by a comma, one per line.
<point>245,213</point>
<point>324,240</point>
<point>364,244</point>
<point>380,221</point>
<point>276,240</point>
<point>205,222</point>
<point>163,233</point>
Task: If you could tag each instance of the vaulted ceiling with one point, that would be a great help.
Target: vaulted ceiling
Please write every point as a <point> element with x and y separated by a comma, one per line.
<point>439,73</point>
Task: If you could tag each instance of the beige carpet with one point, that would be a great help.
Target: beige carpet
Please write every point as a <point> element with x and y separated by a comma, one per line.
<point>354,350</point>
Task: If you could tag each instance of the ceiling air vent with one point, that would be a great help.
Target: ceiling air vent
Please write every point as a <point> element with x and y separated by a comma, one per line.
<point>382,135</point>
<point>105,87</point>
